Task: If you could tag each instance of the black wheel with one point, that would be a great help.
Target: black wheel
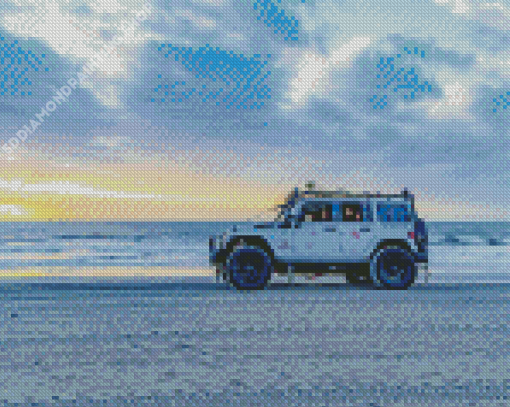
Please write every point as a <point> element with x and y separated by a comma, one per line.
<point>249,267</point>
<point>393,267</point>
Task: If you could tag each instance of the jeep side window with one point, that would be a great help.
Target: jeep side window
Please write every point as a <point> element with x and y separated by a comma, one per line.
<point>393,213</point>
<point>352,213</point>
<point>316,212</point>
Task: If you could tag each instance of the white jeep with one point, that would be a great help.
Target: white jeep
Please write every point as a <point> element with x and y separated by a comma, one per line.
<point>371,238</point>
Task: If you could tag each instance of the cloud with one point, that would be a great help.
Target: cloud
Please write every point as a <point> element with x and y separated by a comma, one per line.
<point>327,112</point>
<point>490,38</point>
<point>432,53</point>
<point>455,97</point>
<point>200,22</point>
<point>81,37</point>
<point>454,102</point>
<point>112,141</point>
<point>274,17</point>
<point>69,188</point>
<point>489,23</point>
<point>493,14</point>
<point>47,73</point>
<point>488,107</point>
<point>13,210</point>
<point>313,68</point>
<point>456,6</point>
<point>246,75</point>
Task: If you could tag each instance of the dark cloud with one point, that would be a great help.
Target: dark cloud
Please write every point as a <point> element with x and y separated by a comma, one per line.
<point>430,53</point>
<point>10,109</point>
<point>33,73</point>
<point>275,18</point>
<point>378,81</point>
<point>201,89</point>
<point>327,113</point>
<point>449,142</point>
<point>490,38</point>
<point>81,9</point>
<point>385,136</point>
<point>485,108</point>
<point>241,18</point>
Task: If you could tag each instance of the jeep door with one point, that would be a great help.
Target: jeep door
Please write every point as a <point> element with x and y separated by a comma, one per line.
<point>315,238</point>
<point>354,221</point>
<point>393,221</point>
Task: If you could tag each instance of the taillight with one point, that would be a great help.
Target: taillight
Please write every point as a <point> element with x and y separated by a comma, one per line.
<point>410,235</point>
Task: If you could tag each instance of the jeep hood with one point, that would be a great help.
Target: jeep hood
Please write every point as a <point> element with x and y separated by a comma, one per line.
<point>250,229</point>
<point>265,225</point>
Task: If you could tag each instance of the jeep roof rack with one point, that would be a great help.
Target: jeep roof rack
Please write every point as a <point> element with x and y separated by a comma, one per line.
<point>311,193</point>
<point>346,194</point>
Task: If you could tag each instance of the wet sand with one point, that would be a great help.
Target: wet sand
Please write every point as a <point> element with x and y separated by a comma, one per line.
<point>197,343</point>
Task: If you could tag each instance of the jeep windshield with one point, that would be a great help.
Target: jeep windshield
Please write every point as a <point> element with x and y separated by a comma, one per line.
<point>282,213</point>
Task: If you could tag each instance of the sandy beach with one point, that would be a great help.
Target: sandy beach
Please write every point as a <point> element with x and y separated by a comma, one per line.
<point>198,344</point>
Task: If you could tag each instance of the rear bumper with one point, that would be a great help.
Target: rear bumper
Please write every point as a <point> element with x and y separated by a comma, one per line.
<point>215,253</point>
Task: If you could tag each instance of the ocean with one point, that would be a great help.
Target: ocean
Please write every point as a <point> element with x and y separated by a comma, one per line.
<point>187,341</point>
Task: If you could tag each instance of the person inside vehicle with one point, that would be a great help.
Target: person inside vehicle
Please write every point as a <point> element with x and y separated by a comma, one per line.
<point>352,213</point>
<point>326,213</point>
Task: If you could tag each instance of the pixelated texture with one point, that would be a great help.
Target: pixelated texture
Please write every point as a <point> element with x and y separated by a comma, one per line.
<point>254,203</point>
<point>14,72</point>
<point>247,74</point>
<point>274,17</point>
<point>397,78</point>
<point>502,101</point>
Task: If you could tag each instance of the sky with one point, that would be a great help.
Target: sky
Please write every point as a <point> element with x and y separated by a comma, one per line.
<point>216,109</point>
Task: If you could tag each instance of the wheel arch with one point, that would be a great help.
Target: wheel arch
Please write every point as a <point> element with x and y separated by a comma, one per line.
<point>391,242</point>
<point>250,240</point>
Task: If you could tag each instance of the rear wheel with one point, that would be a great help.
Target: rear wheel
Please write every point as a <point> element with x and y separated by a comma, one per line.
<point>249,267</point>
<point>393,267</point>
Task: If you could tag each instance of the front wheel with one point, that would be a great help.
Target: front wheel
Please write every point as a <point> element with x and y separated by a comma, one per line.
<point>393,267</point>
<point>249,267</point>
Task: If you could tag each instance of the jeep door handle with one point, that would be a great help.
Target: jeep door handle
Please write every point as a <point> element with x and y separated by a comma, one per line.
<point>330,230</point>
<point>364,230</point>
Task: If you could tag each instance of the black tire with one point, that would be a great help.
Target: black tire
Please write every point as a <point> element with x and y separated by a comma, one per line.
<point>249,267</point>
<point>393,267</point>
